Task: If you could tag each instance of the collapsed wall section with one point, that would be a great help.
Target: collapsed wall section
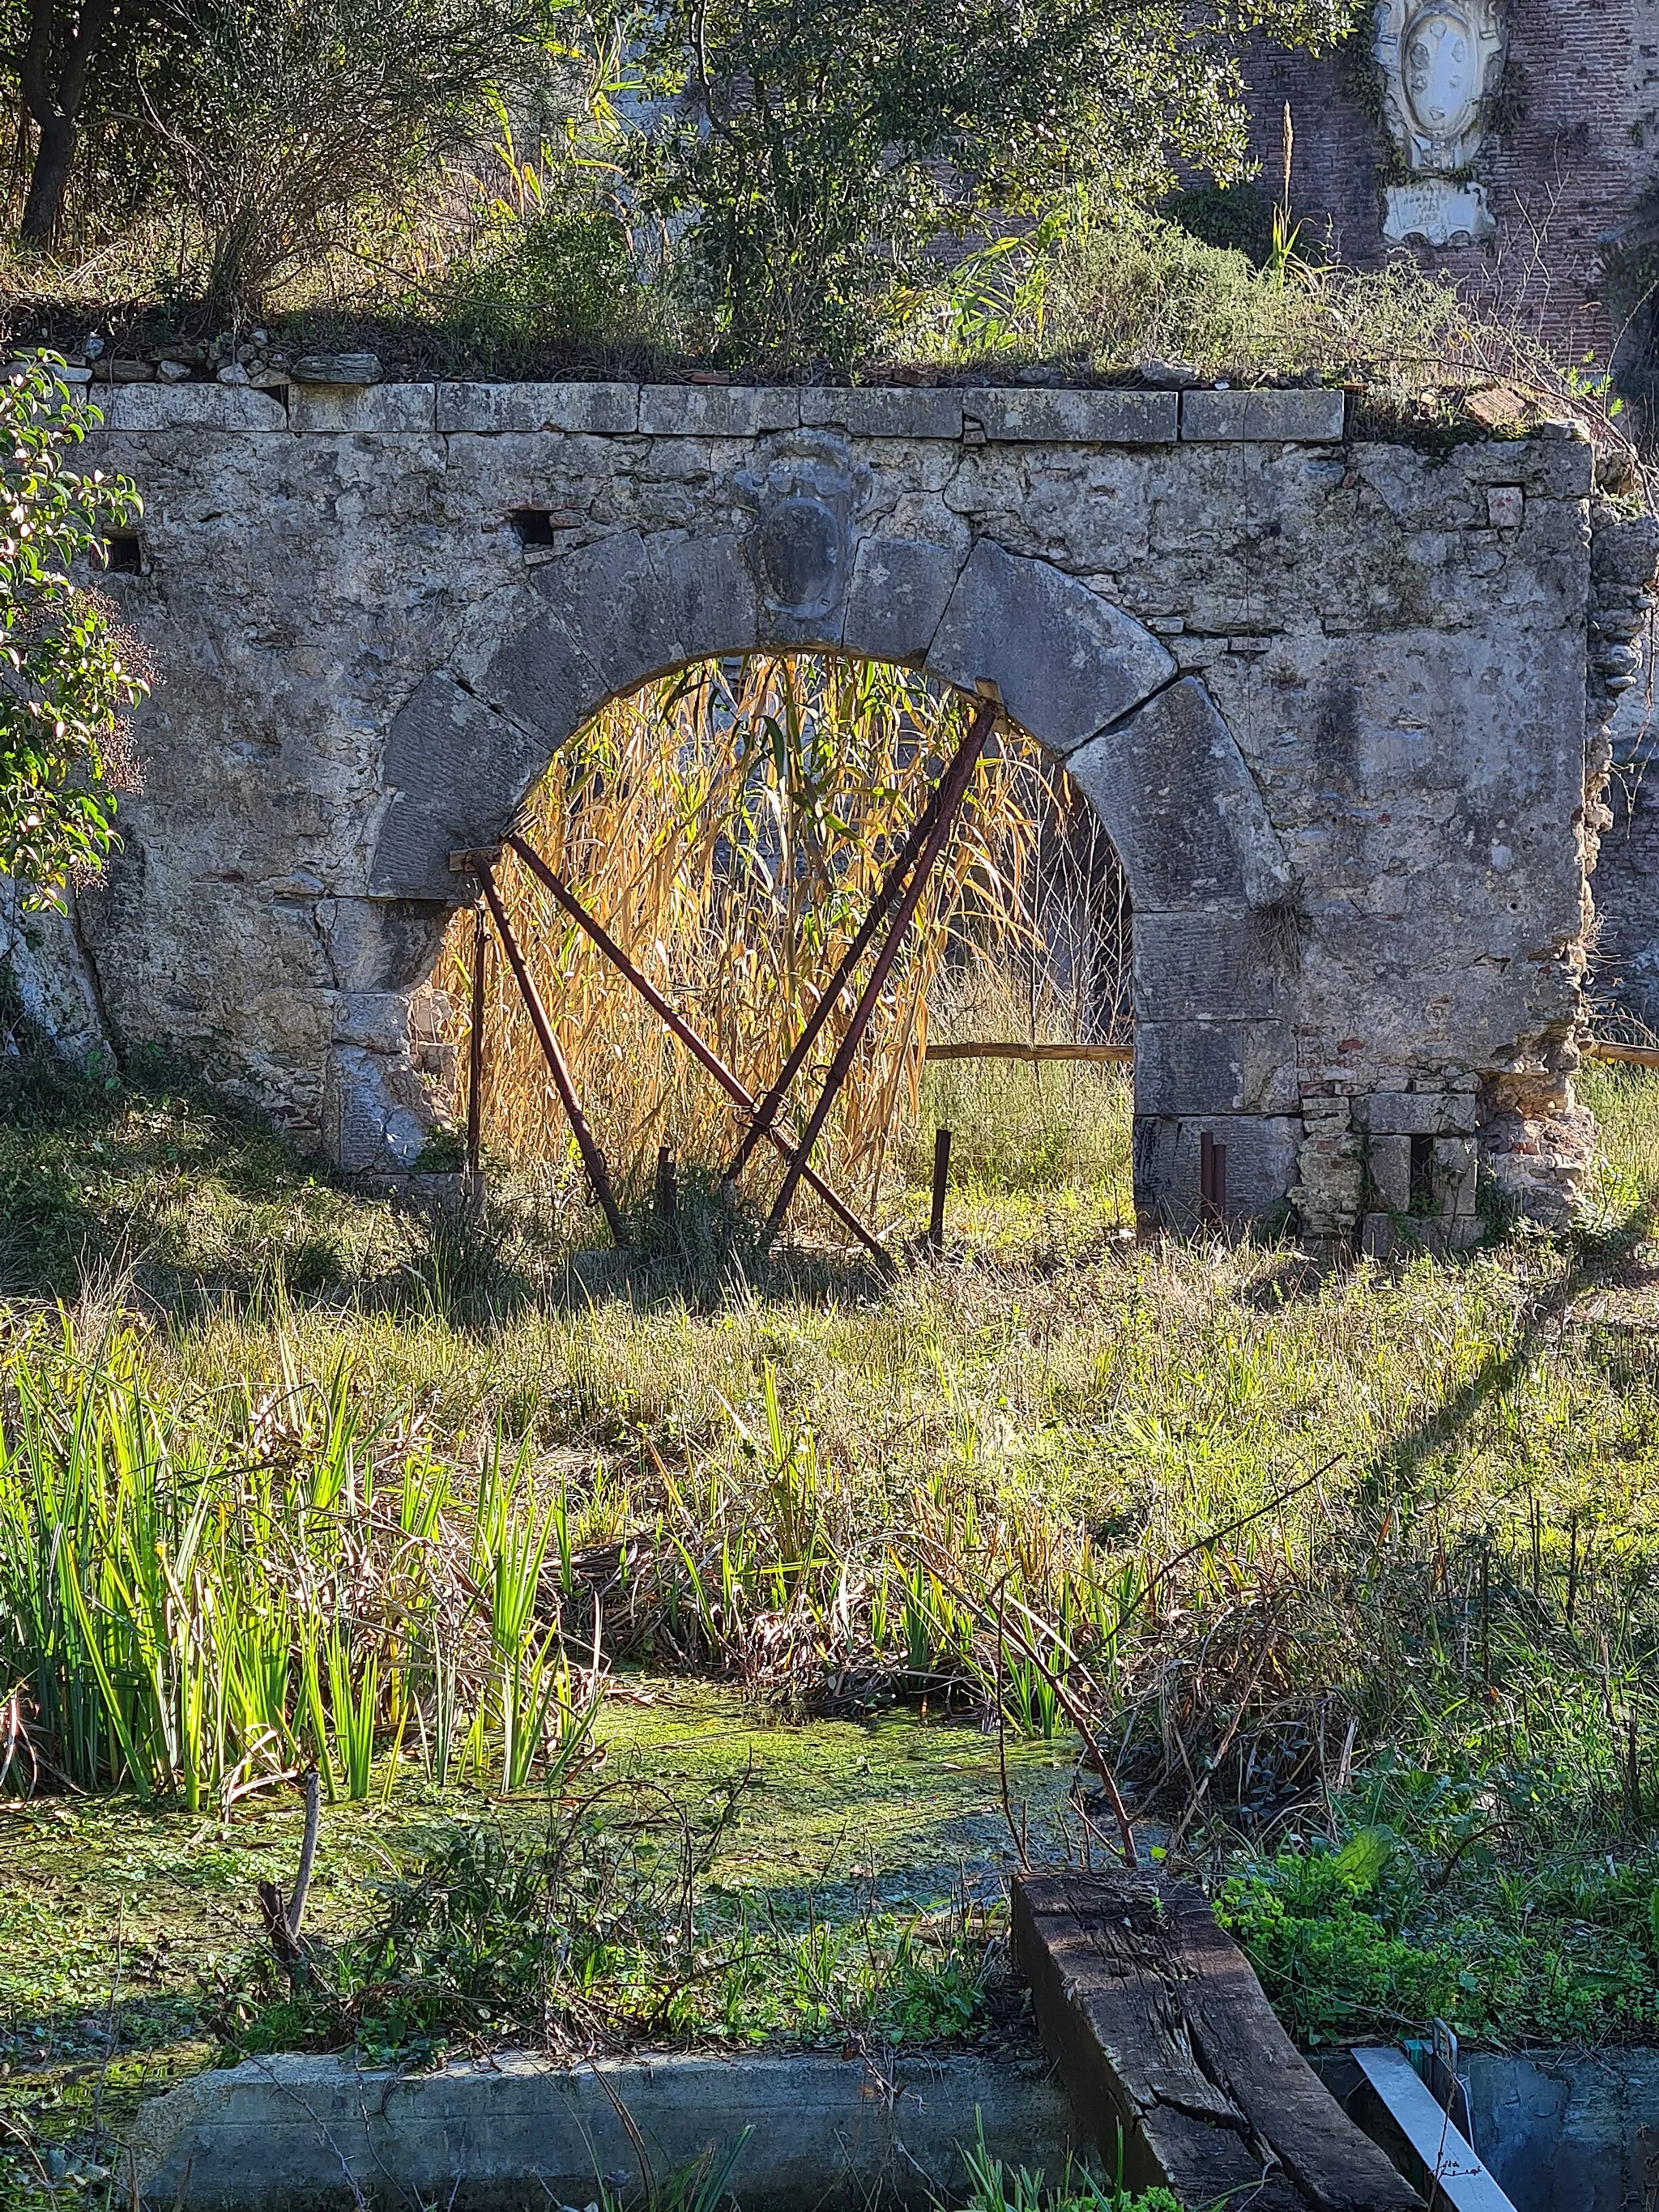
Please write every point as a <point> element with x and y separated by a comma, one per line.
<point>1328,697</point>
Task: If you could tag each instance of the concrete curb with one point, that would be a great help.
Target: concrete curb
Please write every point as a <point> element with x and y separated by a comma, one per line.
<point>830,2134</point>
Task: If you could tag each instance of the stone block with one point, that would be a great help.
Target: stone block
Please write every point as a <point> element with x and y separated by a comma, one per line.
<point>897,598</point>
<point>1388,1173</point>
<point>596,408</point>
<point>456,771</point>
<point>717,411</point>
<point>1188,966</point>
<point>1077,418</point>
<point>1405,1113</point>
<point>1181,807</point>
<point>706,597</point>
<point>1506,507</point>
<point>377,1020</point>
<point>191,407</point>
<point>383,408</point>
<point>1314,417</point>
<point>1065,661</point>
<point>1214,1068</point>
<point>604,629</point>
<point>881,411</point>
<point>342,368</point>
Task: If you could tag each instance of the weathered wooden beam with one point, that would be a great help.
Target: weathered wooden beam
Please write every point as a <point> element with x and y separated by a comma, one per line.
<point>1106,1055</point>
<point>1160,2029</point>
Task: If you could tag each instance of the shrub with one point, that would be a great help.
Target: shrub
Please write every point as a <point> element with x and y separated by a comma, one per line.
<point>67,668</point>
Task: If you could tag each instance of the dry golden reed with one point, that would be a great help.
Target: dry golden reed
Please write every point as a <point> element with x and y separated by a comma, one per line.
<point>730,826</point>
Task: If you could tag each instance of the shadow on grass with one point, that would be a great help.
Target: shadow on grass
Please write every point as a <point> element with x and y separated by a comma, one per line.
<point>158,1182</point>
<point>1603,1258</point>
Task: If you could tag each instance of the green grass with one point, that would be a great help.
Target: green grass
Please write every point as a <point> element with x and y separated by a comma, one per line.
<point>1355,1568</point>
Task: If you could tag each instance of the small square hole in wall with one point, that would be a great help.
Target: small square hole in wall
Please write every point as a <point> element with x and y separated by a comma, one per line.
<point>537,525</point>
<point>124,554</point>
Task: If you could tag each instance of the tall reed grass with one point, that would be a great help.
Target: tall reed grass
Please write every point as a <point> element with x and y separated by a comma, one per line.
<point>197,1599</point>
<point>730,827</point>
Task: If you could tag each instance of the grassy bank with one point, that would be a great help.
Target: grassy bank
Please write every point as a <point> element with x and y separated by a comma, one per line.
<point>1352,1573</point>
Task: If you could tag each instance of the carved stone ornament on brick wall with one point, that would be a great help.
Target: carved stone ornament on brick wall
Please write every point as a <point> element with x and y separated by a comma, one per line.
<point>1441,61</point>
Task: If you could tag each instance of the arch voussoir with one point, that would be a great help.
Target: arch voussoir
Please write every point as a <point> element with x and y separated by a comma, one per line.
<point>1065,661</point>
<point>455,770</point>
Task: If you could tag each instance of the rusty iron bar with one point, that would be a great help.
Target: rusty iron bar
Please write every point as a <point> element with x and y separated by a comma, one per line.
<point>592,1158</point>
<point>952,790</point>
<point>941,1190</point>
<point>734,1087</point>
<point>892,884</point>
<point>1212,1182</point>
<point>475,1048</point>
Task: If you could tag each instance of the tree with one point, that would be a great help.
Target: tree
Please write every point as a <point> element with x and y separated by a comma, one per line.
<point>303,113</point>
<point>811,151</point>
<point>62,45</point>
<point>67,671</point>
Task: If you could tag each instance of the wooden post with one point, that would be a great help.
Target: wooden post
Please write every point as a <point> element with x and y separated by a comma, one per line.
<point>668,1196</point>
<point>941,1185</point>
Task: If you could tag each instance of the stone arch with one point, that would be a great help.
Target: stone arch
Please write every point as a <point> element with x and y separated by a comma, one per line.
<point>1093,686</point>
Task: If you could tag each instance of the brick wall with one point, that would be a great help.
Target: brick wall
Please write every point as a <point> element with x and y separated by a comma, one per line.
<point>1582,81</point>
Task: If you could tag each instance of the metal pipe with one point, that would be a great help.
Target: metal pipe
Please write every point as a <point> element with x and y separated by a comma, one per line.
<point>951,793</point>
<point>892,884</point>
<point>592,1159</point>
<point>735,1088</point>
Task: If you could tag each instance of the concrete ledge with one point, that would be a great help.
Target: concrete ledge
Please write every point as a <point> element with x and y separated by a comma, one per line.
<point>610,409</point>
<point>717,411</point>
<point>880,411</point>
<point>188,407</point>
<point>1304,417</point>
<point>382,408</point>
<point>831,2135</point>
<point>1077,418</point>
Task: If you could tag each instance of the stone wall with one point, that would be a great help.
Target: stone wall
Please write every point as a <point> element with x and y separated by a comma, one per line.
<point>1328,697</point>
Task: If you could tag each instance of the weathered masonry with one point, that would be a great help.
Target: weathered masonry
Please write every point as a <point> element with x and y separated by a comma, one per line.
<point>1330,698</point>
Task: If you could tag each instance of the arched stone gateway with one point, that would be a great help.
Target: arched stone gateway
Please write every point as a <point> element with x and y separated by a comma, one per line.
<point>1330,699</point>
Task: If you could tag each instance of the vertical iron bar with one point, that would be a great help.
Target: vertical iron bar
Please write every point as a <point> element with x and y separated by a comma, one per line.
<point>592,1159</point>
<point>667,1187</point>
<point>1212,1182</point>
<point>766,1111</point>
<point>737,1092</point>
<point>941,1184</point>
<point>951,793</point>
<point>475,1049</point>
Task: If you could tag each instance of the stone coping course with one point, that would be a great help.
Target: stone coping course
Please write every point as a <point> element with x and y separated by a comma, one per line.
<point>1035,414</point>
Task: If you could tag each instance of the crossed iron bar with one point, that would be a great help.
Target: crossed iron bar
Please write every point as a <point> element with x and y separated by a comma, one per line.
<point>901,889</point>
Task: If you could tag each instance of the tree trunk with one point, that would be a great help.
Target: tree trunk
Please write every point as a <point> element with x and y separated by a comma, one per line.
<point>44,208</point>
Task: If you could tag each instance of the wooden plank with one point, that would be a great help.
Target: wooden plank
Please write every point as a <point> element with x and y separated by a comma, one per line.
<point>1160,2028</point>
<point>1635,1056</point>
<point>1447,2165</point>
<point>1116,1055</point>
